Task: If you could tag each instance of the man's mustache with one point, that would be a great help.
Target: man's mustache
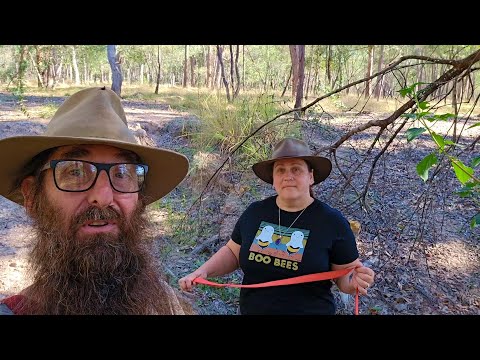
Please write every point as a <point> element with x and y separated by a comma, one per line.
<point>94,213</point>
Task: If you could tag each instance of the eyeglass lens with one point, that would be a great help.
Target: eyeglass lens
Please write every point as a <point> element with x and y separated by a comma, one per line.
<point>77,175</point>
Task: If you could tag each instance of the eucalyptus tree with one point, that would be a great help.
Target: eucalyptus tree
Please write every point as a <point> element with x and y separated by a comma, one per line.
<point>115,61</point>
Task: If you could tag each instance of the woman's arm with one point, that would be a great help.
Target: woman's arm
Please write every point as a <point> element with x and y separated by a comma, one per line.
<point>223,262</point>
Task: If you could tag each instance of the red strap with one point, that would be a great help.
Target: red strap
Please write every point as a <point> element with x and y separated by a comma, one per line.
<point>327,275</point>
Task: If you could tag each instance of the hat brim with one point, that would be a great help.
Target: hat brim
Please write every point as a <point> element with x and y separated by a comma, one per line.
<point>321,168</point>
<point>166,168</point>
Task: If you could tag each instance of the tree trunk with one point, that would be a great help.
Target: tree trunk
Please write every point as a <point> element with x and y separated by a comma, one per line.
<point>208,61</point>
<point>225,82</point>
<point>37,71</point>
<point>243,67</point>
<point>159,58</point>
<point>378,89</point>
<point>309,73</point>
<point>301,75</point>
<point>185,67</point>
<point>22,67</point>
<point>328,70</point>
<point>237,89</point>
<point>369,70</point>
<point>232,70</point>
<point>75,66</point>
<point>215,80</point>
<point>85,71</point>
<point>288,81</point>
<point>193,61</point>
<point>294,59</point>
<point>115,61</point>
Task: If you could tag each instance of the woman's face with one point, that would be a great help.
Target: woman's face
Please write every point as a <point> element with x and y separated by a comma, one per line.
<point>292,178</point>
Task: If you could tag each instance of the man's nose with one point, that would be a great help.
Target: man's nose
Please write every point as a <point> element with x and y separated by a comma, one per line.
<point>101,194</point>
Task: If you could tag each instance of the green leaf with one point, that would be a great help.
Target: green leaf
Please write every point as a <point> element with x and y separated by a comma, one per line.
<point>474,125</point>
<point>445,117</point>
<point>414,132</point>
<point>430,117</point>
<point>423,105</point>
<point>425,113</point>
<point>475,162</point>
<point>409,116</point>
<point>438,140</point>
<point>464,192</point>
<point>475,221</point>
<point>406,90</point>
<point>424,166</point>
<point>463,172</point>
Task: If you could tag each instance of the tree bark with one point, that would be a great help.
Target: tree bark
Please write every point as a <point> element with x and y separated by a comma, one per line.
<point>237,89</point>
<point>193,62</point>
<point>225,82</point>
<point>115,61</point>
<point>379,88</point>
<point>301,75</point>
<point>75,66</point>
<point>185,67</point>
<point>294,59</point>
<point>208,61</point>
<point>369,70</point>
<point>328,69</point>
<point>288,81</point>
<point>159,59</point>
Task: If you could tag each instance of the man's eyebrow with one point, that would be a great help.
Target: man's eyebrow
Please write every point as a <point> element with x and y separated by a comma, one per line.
<point>75,152</point>
<point>80,152</point>
<point>129,156</point>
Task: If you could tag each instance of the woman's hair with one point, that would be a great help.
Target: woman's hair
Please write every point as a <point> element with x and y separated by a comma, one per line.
<point>310,168</point>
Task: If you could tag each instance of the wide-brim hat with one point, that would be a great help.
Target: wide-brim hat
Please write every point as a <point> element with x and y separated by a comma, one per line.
<point>289,148</point>
<point>91,116</point>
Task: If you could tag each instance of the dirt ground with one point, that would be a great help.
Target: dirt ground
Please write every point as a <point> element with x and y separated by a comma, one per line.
<point>426,262</point>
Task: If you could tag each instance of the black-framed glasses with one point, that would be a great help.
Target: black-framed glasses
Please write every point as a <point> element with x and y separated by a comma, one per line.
<point>79,175</point>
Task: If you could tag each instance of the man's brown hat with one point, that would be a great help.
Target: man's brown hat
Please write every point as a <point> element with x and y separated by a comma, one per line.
<point>292,148</point>
<point>91,116</point>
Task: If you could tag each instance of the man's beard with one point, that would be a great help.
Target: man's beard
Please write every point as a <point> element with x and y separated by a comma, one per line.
<point>94,274</point>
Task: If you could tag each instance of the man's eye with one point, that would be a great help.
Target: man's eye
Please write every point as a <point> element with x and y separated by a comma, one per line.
<point>75,172</point>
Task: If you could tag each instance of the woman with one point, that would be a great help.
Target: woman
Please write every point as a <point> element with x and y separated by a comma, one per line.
<point>289,235</point>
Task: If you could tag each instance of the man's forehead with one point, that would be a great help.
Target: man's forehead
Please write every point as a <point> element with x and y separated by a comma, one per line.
<point>79,151</point>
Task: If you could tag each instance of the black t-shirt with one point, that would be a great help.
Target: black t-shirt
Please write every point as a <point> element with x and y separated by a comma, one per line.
<point>319,237</point>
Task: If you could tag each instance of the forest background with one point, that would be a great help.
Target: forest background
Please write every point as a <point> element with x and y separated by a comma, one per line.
<point>400,124</point>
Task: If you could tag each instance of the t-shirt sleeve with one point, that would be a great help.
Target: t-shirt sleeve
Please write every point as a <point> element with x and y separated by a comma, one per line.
<point>236,234</point>
<point>344,248</point>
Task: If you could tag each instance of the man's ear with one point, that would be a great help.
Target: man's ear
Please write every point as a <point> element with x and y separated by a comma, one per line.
<point>26,188</point>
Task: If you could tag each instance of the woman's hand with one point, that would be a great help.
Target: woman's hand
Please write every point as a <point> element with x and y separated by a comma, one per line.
<point>362,278</point>
<point>186,282</point>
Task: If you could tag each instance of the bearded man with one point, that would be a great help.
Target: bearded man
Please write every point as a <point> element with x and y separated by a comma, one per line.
<point>86,183</point>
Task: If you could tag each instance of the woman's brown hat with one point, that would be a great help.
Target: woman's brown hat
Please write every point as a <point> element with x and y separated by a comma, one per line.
<point>293,148</point>
<point>91,116</point>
